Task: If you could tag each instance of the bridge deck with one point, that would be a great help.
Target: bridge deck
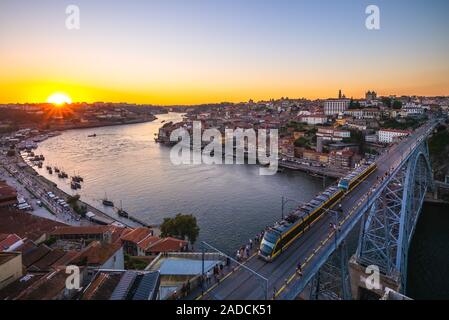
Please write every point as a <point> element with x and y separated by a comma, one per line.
<point>241,285</point>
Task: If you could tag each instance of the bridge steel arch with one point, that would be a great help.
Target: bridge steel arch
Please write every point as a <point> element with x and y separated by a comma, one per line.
<point>387,230</point>
<point>388,221</point>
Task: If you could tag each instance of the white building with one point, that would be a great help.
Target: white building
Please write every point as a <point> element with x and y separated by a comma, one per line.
<point>314,119</point>
<point>367,113</point>
<point>331,134</point>
<point>371,138</point>
<point>356,126</point>
<point>389,135</point>
<point>335,106</point>
<point>412,109</point>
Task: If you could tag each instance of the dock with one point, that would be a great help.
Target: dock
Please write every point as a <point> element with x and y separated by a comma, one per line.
<point>317,171</point>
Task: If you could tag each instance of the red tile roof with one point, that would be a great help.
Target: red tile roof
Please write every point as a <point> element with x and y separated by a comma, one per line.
<point>24,224</point>
<point>33,256</point>
<point>96,253</point>
<point>8,241</point>
<point>28,245</point>
<point>102,286</point>
<point>8,195</point>
<point>48,287</point>
<point>167,245</point>
<point>48,260</point>
<point>16,288</point>
<point>147,242</point>
<point>66,259</point>
<point>116,232</point>
<point>137,235</point>
<point>90,230</point>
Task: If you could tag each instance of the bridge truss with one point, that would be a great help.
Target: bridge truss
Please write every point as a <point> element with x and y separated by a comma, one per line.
<point>388,219</point>
<point>391,219</point>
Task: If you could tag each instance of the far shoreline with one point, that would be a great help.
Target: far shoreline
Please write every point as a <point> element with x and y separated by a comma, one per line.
<point>56,186</point>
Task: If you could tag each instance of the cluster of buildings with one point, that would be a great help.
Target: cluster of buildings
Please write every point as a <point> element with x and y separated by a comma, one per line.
<point>75,115</point>
<point>333,132</point>
<point>37,256</point>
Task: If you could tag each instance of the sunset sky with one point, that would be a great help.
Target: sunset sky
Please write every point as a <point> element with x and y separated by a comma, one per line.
<point>198,51</point>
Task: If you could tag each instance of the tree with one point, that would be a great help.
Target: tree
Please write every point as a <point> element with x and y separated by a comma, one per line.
<point>182,227</point>
<point>397,105</point>
<point>298,126</point>
<point>354,104</point>
<point>386,101</point>
<point>358,138</point>
<point>301,142</point>
<point>73,199</point>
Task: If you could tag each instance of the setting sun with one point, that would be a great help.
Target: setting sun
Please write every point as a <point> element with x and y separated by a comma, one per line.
<point>59,99</point>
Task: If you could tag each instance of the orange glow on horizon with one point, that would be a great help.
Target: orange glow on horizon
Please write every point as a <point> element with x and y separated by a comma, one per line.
<point>59,99</point>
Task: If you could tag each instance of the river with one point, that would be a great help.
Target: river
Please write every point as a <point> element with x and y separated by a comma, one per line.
<point>231,202</point>
<point>428,262</point>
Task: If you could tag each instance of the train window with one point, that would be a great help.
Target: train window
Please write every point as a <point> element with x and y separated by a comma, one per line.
<point>270,237</point>
<point>266,250</point>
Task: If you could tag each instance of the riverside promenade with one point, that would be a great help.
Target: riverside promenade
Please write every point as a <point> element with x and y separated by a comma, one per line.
<point>318,171</point>
<point>20,174</point>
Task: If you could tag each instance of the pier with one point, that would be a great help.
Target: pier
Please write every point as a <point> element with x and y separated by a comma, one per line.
<point>319,171</point>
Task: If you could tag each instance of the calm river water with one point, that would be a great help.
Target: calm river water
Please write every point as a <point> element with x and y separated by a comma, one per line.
<point>231,202</point>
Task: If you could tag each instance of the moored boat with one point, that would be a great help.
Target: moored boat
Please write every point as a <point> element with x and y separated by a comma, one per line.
<point>121,212</point>
<point>107,202</point>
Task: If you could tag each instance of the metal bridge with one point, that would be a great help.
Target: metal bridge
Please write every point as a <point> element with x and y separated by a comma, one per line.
<point>386,206</point>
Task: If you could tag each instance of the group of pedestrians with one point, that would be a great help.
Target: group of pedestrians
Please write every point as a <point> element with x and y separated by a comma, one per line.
<point>245,251</point>
<point>216,273</point>
<point>185,289</point>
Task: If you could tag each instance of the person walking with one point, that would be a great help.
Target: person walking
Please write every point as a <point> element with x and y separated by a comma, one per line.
<point>299,268</point>
<point>208,277</point>
<point>183,290</point>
